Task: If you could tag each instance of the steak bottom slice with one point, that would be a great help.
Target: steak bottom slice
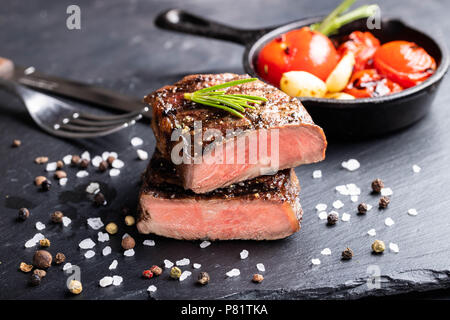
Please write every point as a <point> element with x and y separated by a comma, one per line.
<point>264,208</point>
<point>281,122</point>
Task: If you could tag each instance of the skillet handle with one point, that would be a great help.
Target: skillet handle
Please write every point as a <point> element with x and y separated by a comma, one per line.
<point>182,21</point>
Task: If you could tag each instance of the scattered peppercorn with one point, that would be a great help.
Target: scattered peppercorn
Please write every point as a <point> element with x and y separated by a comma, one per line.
<point>75,287</point>
<point>347,254</point>
<point>60,258</point>
<point>111,228</point>
<point>129,220</point>
<point>257,278</point>
<point>203,278</point>
<point>57,217</point>
<point>384,202</point>
<point>156,270</point>
<point>128,243</point>
<point>24,213</point>
<point>46,185</point>
<point>377,185</point>
<point>378,246</point>
<point>110,160</point>
<point>16,143</point>
<point>39,179</point>
<point>75,160</point>
<point>103,166</point>
<point>147,274</point>
<point>175,273</point>
<point>44,242</point>
<point>59,164</point>
<point>99,199</point>
<point>59,174</point>
<point>41,160</point>
<point>40,273</point>
<point>362,208</point>
<point>332,218</point>
<point>42,259</point>
<point>84,163</point>
<point>25,267</point>
<point>35,280</point>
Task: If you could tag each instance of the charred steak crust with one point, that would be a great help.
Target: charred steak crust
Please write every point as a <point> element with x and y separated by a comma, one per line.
<point>171,110</point>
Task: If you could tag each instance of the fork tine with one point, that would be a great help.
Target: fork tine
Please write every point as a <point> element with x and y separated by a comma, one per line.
<point>89,116</point>
<point>80,134</point>
<point>102,122</point>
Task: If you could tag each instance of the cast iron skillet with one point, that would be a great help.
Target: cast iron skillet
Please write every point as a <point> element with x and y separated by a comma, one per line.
<point>340,118</point>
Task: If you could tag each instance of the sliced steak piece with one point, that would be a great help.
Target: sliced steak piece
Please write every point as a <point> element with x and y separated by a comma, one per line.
<point>299,140</point>
<point>264,208</point>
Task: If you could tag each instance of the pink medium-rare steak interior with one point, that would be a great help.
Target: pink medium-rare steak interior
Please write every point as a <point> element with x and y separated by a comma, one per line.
<point>264,208</point>
<point>300,140</point>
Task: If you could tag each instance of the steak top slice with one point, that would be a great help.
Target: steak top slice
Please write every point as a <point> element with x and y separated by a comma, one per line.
<point>263,208</point>
<point>298,140</point>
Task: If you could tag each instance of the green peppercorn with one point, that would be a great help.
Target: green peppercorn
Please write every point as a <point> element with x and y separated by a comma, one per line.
<point>175,273</point>
<point>378,246</point>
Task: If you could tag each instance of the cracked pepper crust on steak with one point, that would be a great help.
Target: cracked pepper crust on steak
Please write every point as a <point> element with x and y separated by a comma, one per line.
<point>300,140</point>
<point>264,208</point>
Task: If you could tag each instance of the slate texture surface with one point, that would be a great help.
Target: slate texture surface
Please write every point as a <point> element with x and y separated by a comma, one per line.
<point>118,47</point>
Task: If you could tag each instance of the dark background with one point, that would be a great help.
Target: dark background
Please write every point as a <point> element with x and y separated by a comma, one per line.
<point>119,48</point>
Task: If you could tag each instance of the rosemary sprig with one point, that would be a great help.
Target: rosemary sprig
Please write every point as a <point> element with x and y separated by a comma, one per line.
<point>233,103</point>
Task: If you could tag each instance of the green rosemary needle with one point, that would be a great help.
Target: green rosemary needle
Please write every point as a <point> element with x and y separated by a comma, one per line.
<point>233,103</point>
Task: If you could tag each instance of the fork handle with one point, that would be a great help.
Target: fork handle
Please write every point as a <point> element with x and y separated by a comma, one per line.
<point>6,68</point>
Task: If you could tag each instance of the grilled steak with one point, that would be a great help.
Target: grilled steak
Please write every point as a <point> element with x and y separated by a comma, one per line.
<point>282,124</point>
<point>264,208</point>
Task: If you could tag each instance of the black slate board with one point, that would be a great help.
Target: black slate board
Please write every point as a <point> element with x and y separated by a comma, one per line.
<point>118,47</point>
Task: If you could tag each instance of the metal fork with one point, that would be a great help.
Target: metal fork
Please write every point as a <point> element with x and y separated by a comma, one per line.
<point>60,119</point>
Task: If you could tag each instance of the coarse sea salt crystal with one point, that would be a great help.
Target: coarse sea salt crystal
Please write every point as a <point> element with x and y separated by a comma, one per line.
<point>51,166</point>
<point>353,189</point>
<point>93,187</point>
<point>372,232</point>
<point>117,280</point>
<point>113,265</point>
<point>125,235</point>
<point>386,192</point>
<point>66,221</point>
<point>86,156</point>
<point>346,217</point>
<point>317,174</point>
<point>315,261</point>
<point>142,155</point>
<point>67,266</point>
<point>82,174</point>
<point>40,226</point>
<point>150,243</point>
<point>89,254</point>
<point>106,281</point>
<point>342,189</point>
<point>87,244</point>
<point>416,168</point>
<point>117,163</point>
<point>67,159</point>
<point>412,212</point>
<point>261,267</point>
<point>205,244</point>
<point>354,198</point>
<point>105,155</point>
<point>389,222</point>
<point>394,247</point>
<point>33,241</point>
<point>63,181</point>
<point>243,254</point>
<point>95,223</point>
<point>106,250</point>
<point>233,273</point>
<point>326,252</point>
<point>184,275</point>
<point>96,161</point>
<point>152,288</point>
<point>183,262</point>
<point>168,263</point>
<point>196,265</point>
<point>114,172</point>
<point>351,164</point>
<point>321,207</point>
<point>103,237</point>
<point>128,253</point>
<point>369,207</point>
<point>338,204</point>
<point>323,215</point>
<point>136,141</point>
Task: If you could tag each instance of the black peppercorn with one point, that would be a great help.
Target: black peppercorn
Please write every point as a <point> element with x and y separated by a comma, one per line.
<point>347,254</point>
<point>362,208</point>
<point>377,185</point>
<point>35,279</point>
<point>103,166</point>
<point>75,160</point>
<point>384,202</point>
<point>332,218</point>
<point>84,163</point>
<point>46,185</point>
<point>57,217</point>
<point>24,213</point>
<point>99,199</point>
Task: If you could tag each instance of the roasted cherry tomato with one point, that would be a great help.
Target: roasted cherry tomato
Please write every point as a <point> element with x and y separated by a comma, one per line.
<point>363,45</point>
<point>404,62</point>
<point>297,50</point>
<point>369,83</point>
